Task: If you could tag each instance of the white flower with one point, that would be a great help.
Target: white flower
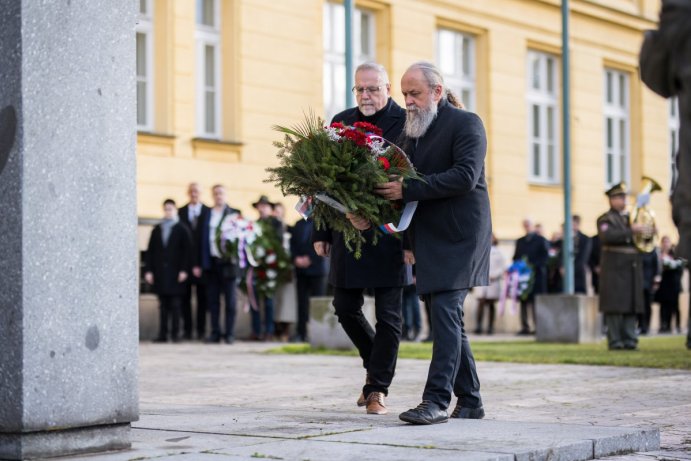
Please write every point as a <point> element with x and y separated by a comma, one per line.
<point>260,252</point>
<point>376,145</point>
<point>271,284</point>
<point>271,274</point>
<point>271,258</point>
<point>332,133</point>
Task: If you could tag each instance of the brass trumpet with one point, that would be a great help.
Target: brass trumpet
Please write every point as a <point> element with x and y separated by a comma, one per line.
<point>643,215</point>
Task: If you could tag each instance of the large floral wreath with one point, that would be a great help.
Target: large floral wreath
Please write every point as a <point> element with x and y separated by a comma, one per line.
<point>335,169</point>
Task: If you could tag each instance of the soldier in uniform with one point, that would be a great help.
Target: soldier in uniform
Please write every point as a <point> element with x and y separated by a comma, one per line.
<point>621,272</point>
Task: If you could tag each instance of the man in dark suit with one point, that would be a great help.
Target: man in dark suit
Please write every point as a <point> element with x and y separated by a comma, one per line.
<point>451,233</point>
<point>381,266</point>
<point>168,264</point>
<point>193,215</point>
<point>535,248</point>
<point>310,273</point>
<point>581,255</point>
<point>220,275</point>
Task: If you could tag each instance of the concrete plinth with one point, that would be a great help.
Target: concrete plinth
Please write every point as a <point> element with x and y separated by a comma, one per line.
<point>324,329</point>
<point>68,252</point>
<point>567,319</point>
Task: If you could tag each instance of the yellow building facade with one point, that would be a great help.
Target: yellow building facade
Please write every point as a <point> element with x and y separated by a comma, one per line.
<point>215,75</point>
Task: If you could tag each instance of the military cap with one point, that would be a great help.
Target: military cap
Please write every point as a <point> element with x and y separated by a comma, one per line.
<point>617,189</point>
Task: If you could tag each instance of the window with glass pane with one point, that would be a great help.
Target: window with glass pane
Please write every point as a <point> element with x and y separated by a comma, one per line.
<point>542,99</point>
<point>206,12</point>
<point>673,140</point>
<point>334,52</point>
<point>456,61</point>
<point>616,123</point>
<point>144,66</point>
<point>208,69</point>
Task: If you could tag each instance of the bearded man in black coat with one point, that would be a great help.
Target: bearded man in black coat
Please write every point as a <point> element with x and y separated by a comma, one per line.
<point>451,233</point>
<point>381,267</point>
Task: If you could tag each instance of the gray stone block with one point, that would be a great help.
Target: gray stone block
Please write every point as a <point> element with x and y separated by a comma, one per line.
<point>68,293</point>
<point>59,443</point>
<point>324,329</point>
<point>639,440</point>
<point>567,319</point>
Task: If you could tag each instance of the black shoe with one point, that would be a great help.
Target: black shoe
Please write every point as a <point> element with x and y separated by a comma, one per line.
<point>187,337</point>
<point>160,340</point>
<point>213,339</point>
<point>428,339</point>
<point>630,347</point>
<point>477,331</point>
<point>426,413</point>
<point>230,339</point>
<point>467,413</point>
<point>523,333</point>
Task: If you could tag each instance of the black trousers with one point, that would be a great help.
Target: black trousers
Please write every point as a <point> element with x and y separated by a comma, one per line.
<point>452,369</point>
<point>307,286</point>
<point>216,285</point>
<point>669,310</point>
<point>378,349</point>
<point>644,318</point>
<point>199,290</point>
<point>169,311</point>
<point>482,305</point>
<point>527,306</point>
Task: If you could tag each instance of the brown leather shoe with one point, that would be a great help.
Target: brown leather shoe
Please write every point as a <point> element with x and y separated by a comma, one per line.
<point>375,404</point>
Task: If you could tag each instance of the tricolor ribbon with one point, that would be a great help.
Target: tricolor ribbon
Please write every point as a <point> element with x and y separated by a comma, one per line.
<point>403,223</point>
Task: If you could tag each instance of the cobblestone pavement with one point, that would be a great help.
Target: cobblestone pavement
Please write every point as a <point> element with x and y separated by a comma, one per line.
<point>242,376</point>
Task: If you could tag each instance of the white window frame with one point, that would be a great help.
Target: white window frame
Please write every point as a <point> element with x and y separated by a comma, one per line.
<point>145,27</point>
<point>618,112</point>
<point>334,58</point>
<point>674,124</point>
<point>208,36</point>
<point>545,97</point>
<point>461,79</point>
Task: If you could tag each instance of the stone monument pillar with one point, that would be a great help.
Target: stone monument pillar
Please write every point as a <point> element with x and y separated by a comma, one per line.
<point>68,250</point>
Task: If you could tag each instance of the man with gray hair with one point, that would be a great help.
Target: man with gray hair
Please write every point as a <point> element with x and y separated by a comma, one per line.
<point>451,233</point>
<point>381,267</point>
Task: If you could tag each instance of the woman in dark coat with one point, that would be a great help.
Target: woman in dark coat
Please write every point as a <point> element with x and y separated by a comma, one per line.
<point>168,264</point>
<point>670,286</point>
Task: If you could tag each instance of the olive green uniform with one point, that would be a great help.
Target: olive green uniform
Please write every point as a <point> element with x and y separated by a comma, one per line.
<point>621,280</point>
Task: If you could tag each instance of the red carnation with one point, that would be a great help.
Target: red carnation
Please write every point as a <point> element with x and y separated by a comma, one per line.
<point>356,136</point>
<point>368,128</point>
<point>337,125</point>
<point>384,163</point>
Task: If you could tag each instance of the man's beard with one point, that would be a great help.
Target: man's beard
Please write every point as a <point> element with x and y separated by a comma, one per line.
<point>418,119</point>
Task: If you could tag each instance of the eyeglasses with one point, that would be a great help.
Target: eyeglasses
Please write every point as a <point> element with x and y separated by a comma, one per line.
<point>370,89</point>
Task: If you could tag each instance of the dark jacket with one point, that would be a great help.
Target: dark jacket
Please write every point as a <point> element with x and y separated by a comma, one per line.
<point>621,272</point>
<point>581,257</point>
<point>301,245</point>
<point>651,269</point>
<point>665,63</point>
<point>451,231</point>
<point>670,285</point>
<point>166,262</point>
<point>594,262</point>
<point>381,265</point>
<point>205,251</point>
<point>196,230</point>
<point>535,249</point>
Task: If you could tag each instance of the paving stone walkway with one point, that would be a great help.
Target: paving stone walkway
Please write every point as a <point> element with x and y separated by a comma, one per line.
<point>218,402</point>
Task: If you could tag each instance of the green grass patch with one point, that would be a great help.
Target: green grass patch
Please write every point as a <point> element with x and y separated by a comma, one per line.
<point>659,352</point>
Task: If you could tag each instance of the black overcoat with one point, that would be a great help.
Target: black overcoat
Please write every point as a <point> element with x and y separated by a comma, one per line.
<point>621,271</point>
<point>451,232</point>
<point>166,262</point>
<point>196,230</point>
<point>381,265</point>
<point>535,248</point>
<point>665,63</point>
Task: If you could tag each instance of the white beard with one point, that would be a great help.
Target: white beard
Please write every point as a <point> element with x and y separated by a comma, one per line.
<point>418,120</point>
